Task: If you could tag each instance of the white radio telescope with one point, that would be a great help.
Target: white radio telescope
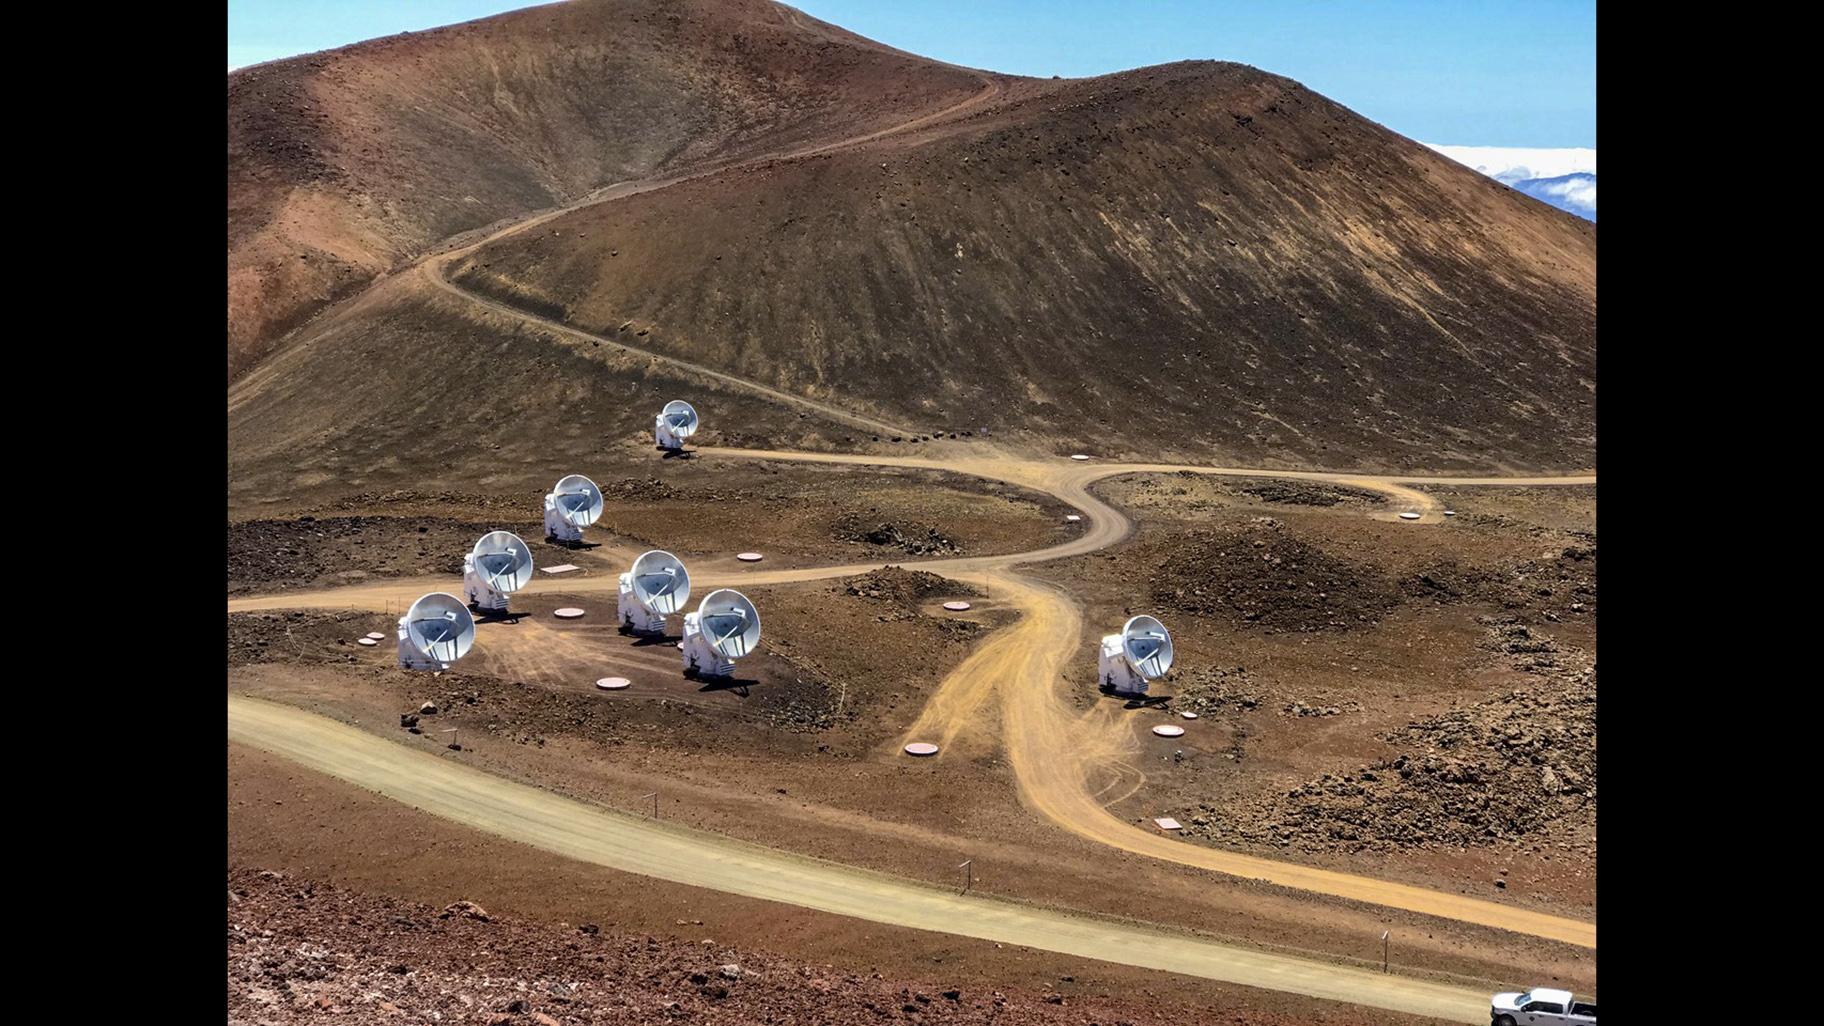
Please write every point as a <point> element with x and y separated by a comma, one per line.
<point>676,422</point>
<point>499,565</point>
<point>657,586</point>
<point>435,632</point>
<point>1142,652</point>
<point>723,629</point>
<point>574,503</point>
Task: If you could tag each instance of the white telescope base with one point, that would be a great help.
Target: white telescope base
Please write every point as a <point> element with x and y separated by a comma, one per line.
<point>1115,672</point>
<point>634,616</point>
<point>412,659</point>
<point>699,656</point>
<point>557,527</point>
<point>661,433</point>
<point>478,591</point>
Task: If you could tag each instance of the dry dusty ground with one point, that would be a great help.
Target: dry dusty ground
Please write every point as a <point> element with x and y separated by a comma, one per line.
<point>398,937</point>
<point>802,752</point>
<point>1409,704</point>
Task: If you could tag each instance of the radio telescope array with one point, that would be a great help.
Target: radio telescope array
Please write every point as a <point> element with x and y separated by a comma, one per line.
<point>499,565</point>
<point>1141,653</point>
<point>435,632</point>
<point>676,422</point>
<point>657,586</point>
<point>723,629</point>
<point>574,503</point>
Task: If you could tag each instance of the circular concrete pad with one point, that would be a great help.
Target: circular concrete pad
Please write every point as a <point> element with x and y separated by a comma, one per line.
<point>369,642</point>
<point>377,636</point>
<point>1079,457</point>
<point>921,748</point>
<point>1188,715</point>
<point>956,607</point>
<point>1409,515</point>
<point>1071,518</point>
<point>568,613</point>
<point>750,557</point>
<point>1167,730</point>
<point>613,683</point>
<point>1450,512</point>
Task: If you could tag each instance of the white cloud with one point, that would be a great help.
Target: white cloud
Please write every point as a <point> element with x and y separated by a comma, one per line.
<point>1578,192</point>
<point>1513,163</point>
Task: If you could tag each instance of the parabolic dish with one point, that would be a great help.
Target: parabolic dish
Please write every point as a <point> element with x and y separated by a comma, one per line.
<point>503,560</point>
<point>579,501</point>
<point>680,418</point>
<point>1168,730</point>
<point>440,626</point>
<point>921,748</point>
<point>568,613</point>
<point>660,582</point>
<point>750,557</point>
<point>1409,515</point>
<point>956,607</point>
<point>729,622</point>
<point>369,642</point>
<point>1148,646</point>
<point>613,683</point>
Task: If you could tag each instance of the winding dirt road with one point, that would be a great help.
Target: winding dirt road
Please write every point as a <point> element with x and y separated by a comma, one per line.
<point>1054,752</point>
<point>590,834</point>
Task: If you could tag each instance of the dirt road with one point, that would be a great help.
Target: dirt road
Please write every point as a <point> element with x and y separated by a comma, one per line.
<point>589,834</point>
<point>1053,753</point>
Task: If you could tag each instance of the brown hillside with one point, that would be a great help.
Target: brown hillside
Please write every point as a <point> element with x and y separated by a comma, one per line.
<point>1197,259</point>
<point>343,164</point>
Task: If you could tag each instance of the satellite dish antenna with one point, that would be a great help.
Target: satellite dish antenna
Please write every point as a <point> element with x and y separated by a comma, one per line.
<point>435,632</point>
<point>676,422</point>
<point>1142,652</point>
<point>574,503</point>
<point>657,586</point>
<point>723,629</point>
<point>499,565</point>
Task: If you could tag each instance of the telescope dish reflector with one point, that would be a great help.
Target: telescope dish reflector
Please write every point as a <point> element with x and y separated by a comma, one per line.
<point>579,501</point>
<point>729,622</point>
<point>680,418</point>
<point>660,582</point>
<point>503,561</point>
<point>1147,645</point>
<point>439,626</point>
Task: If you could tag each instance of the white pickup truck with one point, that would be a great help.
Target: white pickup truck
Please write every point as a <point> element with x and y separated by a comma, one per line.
<point>1541,1007</point>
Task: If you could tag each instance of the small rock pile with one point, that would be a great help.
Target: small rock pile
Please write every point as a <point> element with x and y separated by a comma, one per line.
<point>1262,576</point>
<point>914,539</point>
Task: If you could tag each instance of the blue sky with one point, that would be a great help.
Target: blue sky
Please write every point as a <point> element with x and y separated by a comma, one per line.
<point>1482,73</point>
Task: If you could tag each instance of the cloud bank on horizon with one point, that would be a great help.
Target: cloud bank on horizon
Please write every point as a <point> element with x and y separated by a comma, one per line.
<point>1564,177</point>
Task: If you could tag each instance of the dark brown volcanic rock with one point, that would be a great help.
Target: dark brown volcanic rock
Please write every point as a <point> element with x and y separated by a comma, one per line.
<point>304,952</point>
<point>342,164</point>
<point>1197,258</point>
